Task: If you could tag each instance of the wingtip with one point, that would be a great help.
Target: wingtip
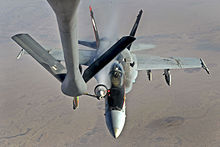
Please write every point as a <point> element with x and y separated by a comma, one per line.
<point>204,66</point>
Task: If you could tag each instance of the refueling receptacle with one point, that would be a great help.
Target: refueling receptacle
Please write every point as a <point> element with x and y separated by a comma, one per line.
<point>100,91</point>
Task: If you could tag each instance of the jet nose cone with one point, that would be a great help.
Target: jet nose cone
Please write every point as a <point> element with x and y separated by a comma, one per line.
<point>115,121</point>
<point>118,121</point>
<point>117,132</point>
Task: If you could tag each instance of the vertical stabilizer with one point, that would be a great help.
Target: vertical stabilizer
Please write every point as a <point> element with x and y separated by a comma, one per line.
<point>94,27</point>
<point>134,29</point>
<point>66,13</point>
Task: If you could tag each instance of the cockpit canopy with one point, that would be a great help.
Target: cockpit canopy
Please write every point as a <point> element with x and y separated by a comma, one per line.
<point>117,91</point>
<point>116,74</point>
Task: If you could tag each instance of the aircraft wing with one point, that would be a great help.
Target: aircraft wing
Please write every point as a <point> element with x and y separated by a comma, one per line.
<point>41,55</point>
<point>147,62</point>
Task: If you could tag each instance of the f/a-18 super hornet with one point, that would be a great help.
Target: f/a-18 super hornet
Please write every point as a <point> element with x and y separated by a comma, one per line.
<point>115,68</point>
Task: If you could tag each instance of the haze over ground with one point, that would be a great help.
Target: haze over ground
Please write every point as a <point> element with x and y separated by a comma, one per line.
<point>34,112</point>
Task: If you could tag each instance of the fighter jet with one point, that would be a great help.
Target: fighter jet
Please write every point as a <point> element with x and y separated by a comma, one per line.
<point>115,68</point>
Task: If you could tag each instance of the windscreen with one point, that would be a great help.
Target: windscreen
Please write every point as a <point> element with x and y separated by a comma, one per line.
<point>116,93</point>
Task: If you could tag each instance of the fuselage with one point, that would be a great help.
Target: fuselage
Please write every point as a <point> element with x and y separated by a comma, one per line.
<point>118,76</point>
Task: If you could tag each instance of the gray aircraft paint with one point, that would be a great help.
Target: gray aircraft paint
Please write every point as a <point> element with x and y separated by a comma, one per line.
<point>66,13</point>
<point>74,84</point>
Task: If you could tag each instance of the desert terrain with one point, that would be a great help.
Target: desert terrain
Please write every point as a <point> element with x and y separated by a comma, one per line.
<point>34,112</point>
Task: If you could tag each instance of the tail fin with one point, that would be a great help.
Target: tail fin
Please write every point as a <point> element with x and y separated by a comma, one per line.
<point>134,29</point>
<point>94,27</point>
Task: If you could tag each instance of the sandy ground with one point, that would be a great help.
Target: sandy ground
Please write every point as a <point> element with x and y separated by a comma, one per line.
<point>34,112</point>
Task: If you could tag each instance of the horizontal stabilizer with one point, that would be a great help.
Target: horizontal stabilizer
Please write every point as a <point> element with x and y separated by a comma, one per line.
<point>107,57</point>
<point>40,55</point>
<point>88,44</point>
<point>141,46</point>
